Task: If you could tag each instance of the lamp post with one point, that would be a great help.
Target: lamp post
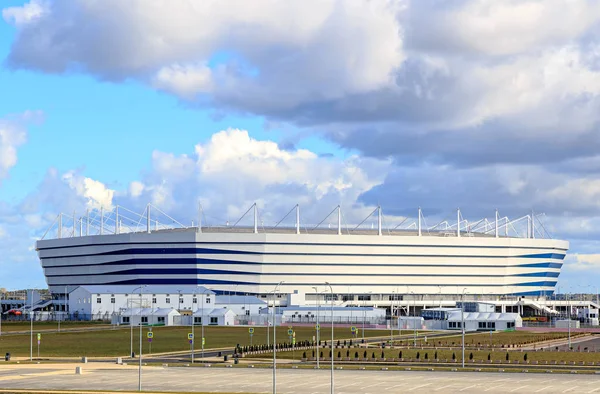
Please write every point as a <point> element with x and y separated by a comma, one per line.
<point>318,327</point>
<point>275,342</point>
<point>414,321</point>
<point>31,329</point>
<point>569,316</point>
<point>392,319</point>
<point>331,289</point>
<point>364,315</point>
<point>130,302</point>
<point>462,325</point>
<point>140,355</point>
<point>201,322</point>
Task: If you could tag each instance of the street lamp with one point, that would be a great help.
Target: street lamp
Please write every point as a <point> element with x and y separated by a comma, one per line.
<point>201,322</point>
<point>392,319</point>
<point>140,355</point>
<point>318,327</point>
<point>462,324</point>
<point>331,289</point>
<point>414,320</point>
<point>275,342</point>
<point>31,336</point>
<point>364,315</point>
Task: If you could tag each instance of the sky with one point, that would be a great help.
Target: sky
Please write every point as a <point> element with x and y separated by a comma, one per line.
<point>464,104</point>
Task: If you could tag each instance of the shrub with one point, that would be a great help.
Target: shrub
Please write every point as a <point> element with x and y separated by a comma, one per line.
<point>365,354</point>
<point>426,356</point>
<point>304,355</point>
<point>507,358</point>
<point>525,357</point>
<point>355,354</point>
<point>400,354</point>
<point>339,354</point>
<point>418,355</point>
<point>453,356</point>
<point>471,356</point>
<point>347,353</point>
<point>382,354</point>
<point>330,354</point>
<point>313,353</point>
<point>489,356</point>
<point>321,354</point>
<point>373,355</point>
<point>435,356</point>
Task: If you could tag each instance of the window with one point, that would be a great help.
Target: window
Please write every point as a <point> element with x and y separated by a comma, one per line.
<point>491,324</point>
<point>98,300</point>
<point>208,300</point>
<point>214,320</point>
<point>154,300</point>
<point>195,300</point>
<point>145,319</point>
<point>161,319</point>
<point>366,297</point>
<point>112,300</point>
<point>481,324</point>
<point>248,312</point>
<point>180,300</point>
<point>197,320</point>
<point>167,300</point>
<point>125,319</point>
<point>510,324</point>
<point>396,297</point>
<point>348,298</point>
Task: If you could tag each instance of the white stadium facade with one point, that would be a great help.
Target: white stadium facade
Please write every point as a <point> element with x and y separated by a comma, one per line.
<point>381,267</point>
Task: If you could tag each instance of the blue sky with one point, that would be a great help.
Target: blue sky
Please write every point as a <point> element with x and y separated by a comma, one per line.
<point>302,103</point>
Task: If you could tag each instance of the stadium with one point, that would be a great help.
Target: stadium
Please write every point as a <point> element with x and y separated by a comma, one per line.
<point>385,266</point>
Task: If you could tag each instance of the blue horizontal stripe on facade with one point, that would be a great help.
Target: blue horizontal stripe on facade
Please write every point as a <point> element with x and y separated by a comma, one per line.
<point>159,251</point>
<point>204,271</point>
<point>201,261</point>
<point>199,281</point>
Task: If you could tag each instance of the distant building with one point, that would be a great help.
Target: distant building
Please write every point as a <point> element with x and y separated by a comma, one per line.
<point>147,316</point>
<point>240,305</point>
<point>101,302</point>
<point>479,317</point>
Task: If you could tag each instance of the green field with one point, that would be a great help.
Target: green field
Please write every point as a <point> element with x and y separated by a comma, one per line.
<point>11,326</point>
<point>442,354</point>
<point>497,339</point>
<point>116,342</point>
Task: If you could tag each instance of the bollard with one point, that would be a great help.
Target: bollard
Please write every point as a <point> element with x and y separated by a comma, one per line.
<point>119,360</point>
<point>84,360</point>
<point>78,370</point>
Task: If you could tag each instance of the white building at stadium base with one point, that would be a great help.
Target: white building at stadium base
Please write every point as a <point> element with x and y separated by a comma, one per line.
<point>393,268</point>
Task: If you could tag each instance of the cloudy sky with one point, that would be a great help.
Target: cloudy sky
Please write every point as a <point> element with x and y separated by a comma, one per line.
<point>440,104</point>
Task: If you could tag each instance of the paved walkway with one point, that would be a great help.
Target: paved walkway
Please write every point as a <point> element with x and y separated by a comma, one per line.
<point>115,378</point>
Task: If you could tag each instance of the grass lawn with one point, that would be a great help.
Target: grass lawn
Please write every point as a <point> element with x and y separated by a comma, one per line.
<point>8,326</point>
<point>116,342</point>
<point>430,354</point>
<point>497,339</point>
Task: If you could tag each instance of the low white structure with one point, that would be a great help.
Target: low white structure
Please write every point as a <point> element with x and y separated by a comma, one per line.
<point>240,305</point>
<point>102,302</point>
<point>566,322</point>
<point>588,316</point>
<point>411,323</point>
<point>483,321</point>
<point>215,317</point>
<point>308,314</point>
<point>147,316</point>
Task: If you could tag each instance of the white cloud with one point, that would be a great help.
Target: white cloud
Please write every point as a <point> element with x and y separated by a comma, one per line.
<point>13,134</point>
<point>25,14</point>
<point>232,171</point>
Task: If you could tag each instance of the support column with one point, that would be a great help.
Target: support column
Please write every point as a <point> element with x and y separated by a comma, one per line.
<point>199,230</point>
<point>117,219</point>
<point>496,232</point>
<point>379,220</point>
<point>255,219</point>
<point>419,222</point>
<point>87,221</point>
<point>458,222</point>
<point>101,220</point>
<point>297,218</point>
<point>74,225</point>
<point>532,225</point>
<point>339,220</point>
<point>60,225</point>
<point>148,218</point>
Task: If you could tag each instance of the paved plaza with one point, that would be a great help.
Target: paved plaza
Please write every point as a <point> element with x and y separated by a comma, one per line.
<point>114,378</point>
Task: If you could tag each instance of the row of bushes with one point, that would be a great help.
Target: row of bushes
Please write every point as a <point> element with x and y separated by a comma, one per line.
<point>418,355</point>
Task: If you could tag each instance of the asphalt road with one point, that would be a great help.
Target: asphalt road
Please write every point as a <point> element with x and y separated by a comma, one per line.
<point>254,380</point>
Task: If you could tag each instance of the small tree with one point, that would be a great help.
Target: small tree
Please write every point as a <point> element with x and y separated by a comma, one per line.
<point>347,353</point>
<point>321,354</point>
<point>507,358</point>
<point>453,356</point>
<point>435,355</point>
<point>355,354</point>
<point>426,356</point>
<point>382,354</point>
<point>330,354</point>
<point>418,355</point>
<point>344,343</point>
<point>365,354</point>
<point>338,342</point>
<point>313,353</point>
<point>400,354</point>
<point>471,356</point>
<point>339,354</point>
<point>525,357</point>
<point>351,342</point>
<point>489,356</point>
<point>304,355</point>
<point>373,355</point>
